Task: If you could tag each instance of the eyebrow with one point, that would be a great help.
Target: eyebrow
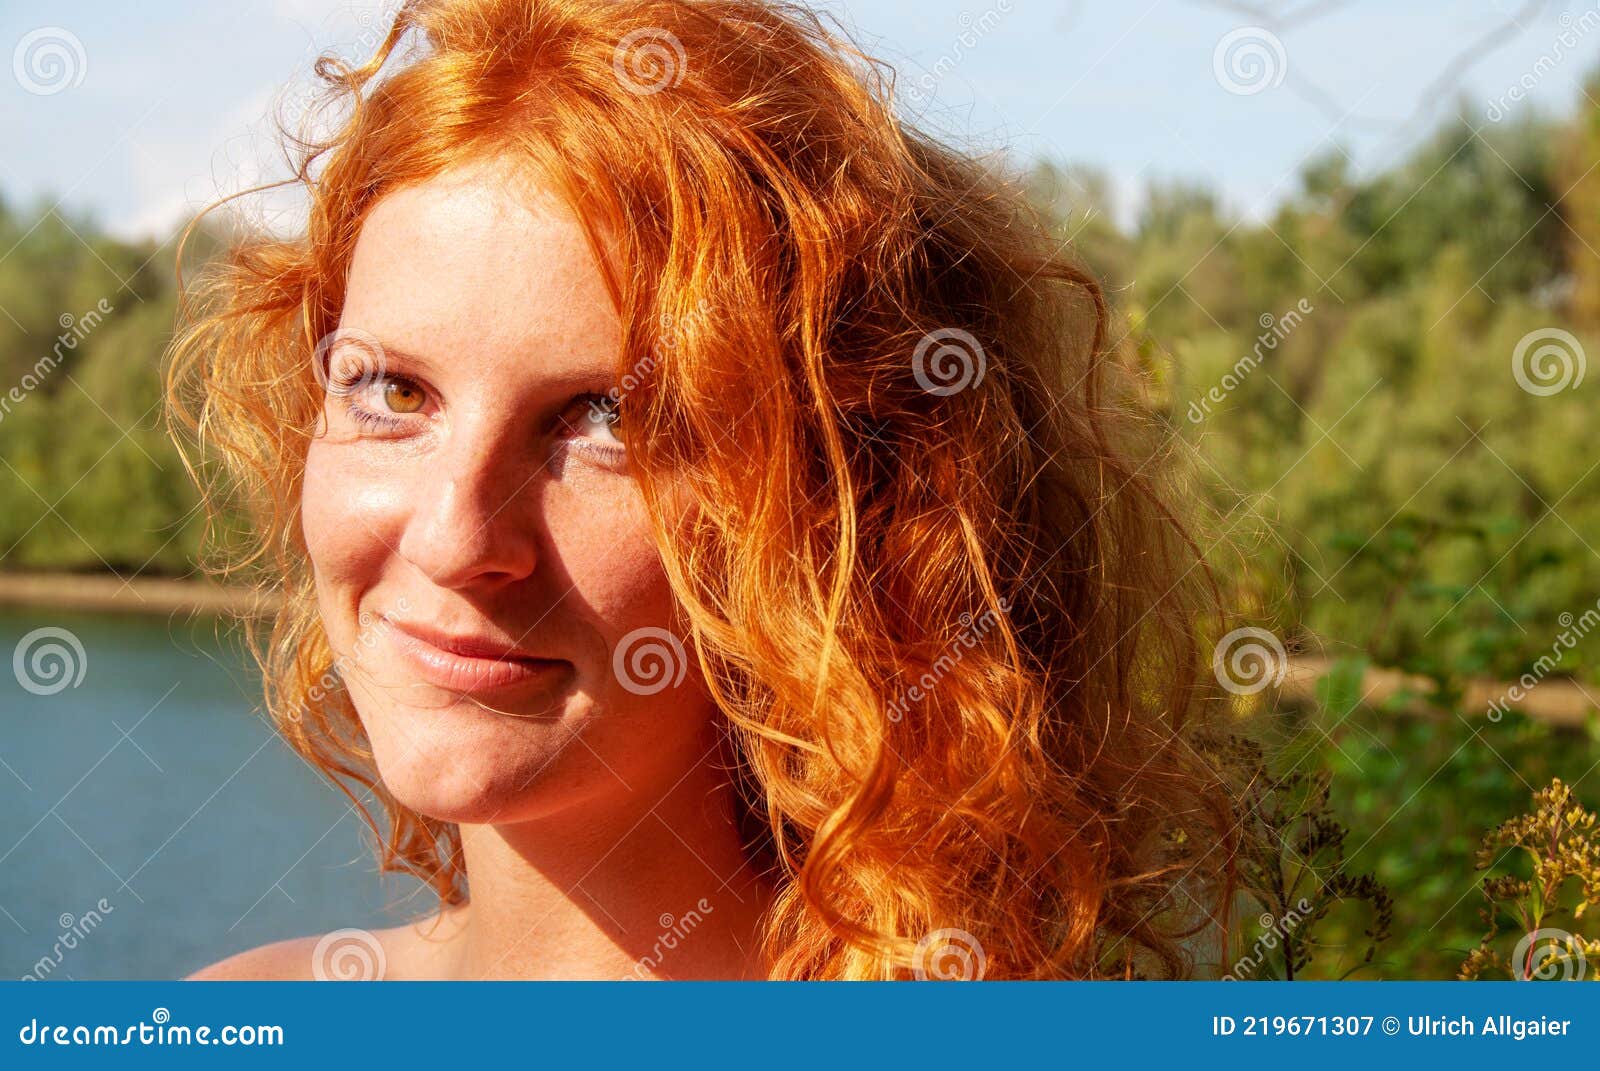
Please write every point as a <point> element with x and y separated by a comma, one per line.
<point>570,379</point>
<point>385,349</point>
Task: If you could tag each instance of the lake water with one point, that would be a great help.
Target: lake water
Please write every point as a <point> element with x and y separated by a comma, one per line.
<point>157,796</point>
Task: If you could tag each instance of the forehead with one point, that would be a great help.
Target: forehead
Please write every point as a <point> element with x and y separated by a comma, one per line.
<point>480,260</point>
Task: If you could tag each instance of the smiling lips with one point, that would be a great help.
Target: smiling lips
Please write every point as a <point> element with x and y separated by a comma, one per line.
<point>465,663</point>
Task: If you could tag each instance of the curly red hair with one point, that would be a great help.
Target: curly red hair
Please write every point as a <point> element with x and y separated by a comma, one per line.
<point>933,565</point>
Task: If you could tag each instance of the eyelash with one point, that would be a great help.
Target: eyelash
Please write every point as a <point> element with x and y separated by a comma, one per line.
<point>367,417</point>
<point>372,419</point>
<point>348,388</point>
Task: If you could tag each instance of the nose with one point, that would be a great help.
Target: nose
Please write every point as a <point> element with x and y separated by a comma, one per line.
<point>471,522</point>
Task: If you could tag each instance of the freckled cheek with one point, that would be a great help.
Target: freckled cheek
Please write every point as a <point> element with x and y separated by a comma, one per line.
<point>350,516</point>
<point>603,538</point>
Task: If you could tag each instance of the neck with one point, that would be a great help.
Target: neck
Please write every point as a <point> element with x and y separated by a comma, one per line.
<point>656,887</point>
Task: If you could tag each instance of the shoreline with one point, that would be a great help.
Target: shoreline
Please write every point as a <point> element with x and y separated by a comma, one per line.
<point>1556,701</point>
<point>137,595</point>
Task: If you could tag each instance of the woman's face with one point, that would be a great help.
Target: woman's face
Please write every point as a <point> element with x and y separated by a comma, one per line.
<point>484,567</point>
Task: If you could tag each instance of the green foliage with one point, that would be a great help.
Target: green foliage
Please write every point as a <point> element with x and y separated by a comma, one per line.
<point>1560,847</point>
<point>1425,507</point>
<point>1417,788</point>
<point>1402,497</point>
<point>90,480</point>
<point>1293,869</point>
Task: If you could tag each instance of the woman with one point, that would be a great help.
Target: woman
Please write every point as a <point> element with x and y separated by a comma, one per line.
<point>711,523</point>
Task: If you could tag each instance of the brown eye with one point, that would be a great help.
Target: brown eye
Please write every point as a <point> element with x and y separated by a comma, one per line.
<point>599,417</point>
<point>402,396</point>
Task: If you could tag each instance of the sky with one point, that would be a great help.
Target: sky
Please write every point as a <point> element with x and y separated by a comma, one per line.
<point>134,115</point>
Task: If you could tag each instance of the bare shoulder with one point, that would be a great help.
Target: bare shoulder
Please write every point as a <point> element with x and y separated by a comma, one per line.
<point>418,949</point>
<point>289,960</point>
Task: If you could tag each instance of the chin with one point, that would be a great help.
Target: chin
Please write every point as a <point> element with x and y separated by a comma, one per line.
<point>461,802</point>
<point>458,762</point>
